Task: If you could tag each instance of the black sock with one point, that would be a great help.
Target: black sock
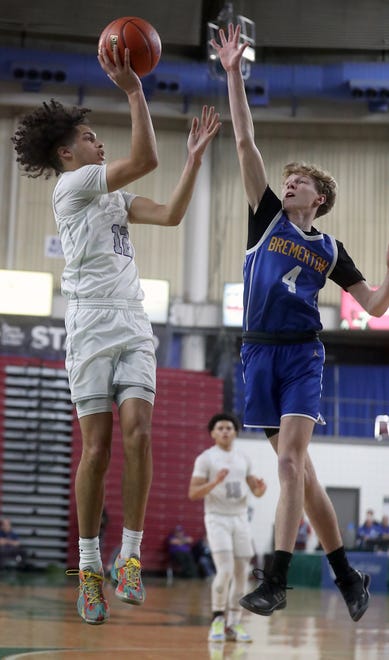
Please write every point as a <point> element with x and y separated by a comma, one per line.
<point>280,566</point>
<point>215,614</point>
<point>340,564</point>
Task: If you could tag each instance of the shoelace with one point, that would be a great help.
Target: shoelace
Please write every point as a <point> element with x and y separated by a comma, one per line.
<point>132,570</point>
<point>90,582</point>
<point>267,579</point>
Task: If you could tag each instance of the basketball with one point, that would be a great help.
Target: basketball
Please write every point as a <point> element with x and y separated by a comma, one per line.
<point>139,36</point>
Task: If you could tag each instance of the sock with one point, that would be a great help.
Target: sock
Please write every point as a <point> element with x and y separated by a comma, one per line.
<point>218,613</point>
<point>131,541</point>
<point>280,566</point>
<point>90,554</point>
<point>339,564</point>
<point>233,618</point>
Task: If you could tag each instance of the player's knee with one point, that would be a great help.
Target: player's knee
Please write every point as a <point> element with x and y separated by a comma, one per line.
<point>288,468</point>
<point>96,457</point>
<point>223,577</point>
<point>137,440</point>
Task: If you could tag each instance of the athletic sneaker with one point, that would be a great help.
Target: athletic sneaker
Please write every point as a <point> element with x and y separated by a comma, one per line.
<point>269,596</point>
<point>355,593</point>
<point>216,631</point>
<point>236,633</point>
<point>91,604</point>
<point>126,576</point>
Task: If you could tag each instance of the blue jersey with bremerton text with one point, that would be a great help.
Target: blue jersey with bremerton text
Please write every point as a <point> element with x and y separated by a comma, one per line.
<point>284,271</point>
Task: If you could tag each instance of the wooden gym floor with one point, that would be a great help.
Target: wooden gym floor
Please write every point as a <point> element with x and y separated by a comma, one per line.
<point>38,621</point>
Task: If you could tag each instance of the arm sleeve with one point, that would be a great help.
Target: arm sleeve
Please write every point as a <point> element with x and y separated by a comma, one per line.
<point>89,180</point>
<point>128,198</point>
<point>259,221</point>
<point>200,468</point>
<point>345,273</point>
<point>77,189</point>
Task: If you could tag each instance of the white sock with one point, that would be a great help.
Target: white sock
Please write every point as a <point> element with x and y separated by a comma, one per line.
<point>233,618</point>
<point>131,541</point>
<point>90,554</point>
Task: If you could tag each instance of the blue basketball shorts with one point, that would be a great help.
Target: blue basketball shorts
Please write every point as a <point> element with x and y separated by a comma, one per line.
<point>282,380</point>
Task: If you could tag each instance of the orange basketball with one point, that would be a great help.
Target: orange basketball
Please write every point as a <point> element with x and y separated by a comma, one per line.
<point>139,36</point>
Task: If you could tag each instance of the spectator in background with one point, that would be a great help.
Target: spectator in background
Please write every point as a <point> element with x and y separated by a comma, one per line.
<point>303,534</point>
<point>368,531</point>
<point>384,527</point>
<point>180,552</point>
<point>10,545</point>
<point>203,557</point>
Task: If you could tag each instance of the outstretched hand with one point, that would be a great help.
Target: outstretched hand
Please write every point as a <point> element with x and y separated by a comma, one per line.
<point>119,72</point>
<point>229,50</point>
<point>203,131</point>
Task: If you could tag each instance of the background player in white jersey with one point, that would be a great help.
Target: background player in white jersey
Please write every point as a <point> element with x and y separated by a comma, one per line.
<point>110,353</point>
<point>287,263</point>
<point>223,476</point>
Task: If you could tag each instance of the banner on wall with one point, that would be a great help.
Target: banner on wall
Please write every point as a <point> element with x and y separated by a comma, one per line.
<point>46,337</point>
<point>33,337</point>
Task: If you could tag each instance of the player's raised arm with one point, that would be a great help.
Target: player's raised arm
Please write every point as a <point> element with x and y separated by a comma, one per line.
<point>250,159</point>
<point>146,211</point>
<point>143,157</point>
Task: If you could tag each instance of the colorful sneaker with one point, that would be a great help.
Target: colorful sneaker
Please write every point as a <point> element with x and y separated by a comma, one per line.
<point>236,633</point>
<point>91,604</point>
<point>126,577</point>
<point>356,594</point>
<point>269,596</point>
<point>216,631</point>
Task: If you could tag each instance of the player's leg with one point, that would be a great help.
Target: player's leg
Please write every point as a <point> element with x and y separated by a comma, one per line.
<point>235,631</point>
<point>219,529</point>
<point>292,442</point>
<point>135,415</point>
<point>224,565</point>
<point>243,551</point>
<point>353,585</point>
<point>293,439</point>
<point>96,431</point>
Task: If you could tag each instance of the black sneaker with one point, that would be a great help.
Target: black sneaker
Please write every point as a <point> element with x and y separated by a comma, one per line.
<point>269,596</point>
<point>355,593</point>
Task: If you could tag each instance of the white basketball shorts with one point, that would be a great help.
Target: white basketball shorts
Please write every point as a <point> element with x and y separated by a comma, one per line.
<point>109,346</point>
<point>229,533</point>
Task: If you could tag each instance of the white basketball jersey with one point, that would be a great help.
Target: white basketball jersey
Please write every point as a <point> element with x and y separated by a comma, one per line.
<point>230,496</point>
<point>93,228</point>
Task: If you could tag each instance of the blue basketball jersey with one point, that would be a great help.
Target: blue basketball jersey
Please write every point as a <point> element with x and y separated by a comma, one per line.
<point>284,270</point>
<point>283,274</point>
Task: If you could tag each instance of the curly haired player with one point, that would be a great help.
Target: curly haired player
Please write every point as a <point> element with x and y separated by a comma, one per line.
<point>110,353</point>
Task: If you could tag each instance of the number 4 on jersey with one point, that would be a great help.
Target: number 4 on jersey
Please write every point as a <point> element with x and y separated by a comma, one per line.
<point>289,279</point>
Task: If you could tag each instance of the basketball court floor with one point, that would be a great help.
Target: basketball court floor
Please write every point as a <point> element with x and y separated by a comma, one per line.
<point>39,621</point>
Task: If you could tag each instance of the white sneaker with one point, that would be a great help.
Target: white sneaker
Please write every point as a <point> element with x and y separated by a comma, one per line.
<point>216,631</point>
<point>236,633</point>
